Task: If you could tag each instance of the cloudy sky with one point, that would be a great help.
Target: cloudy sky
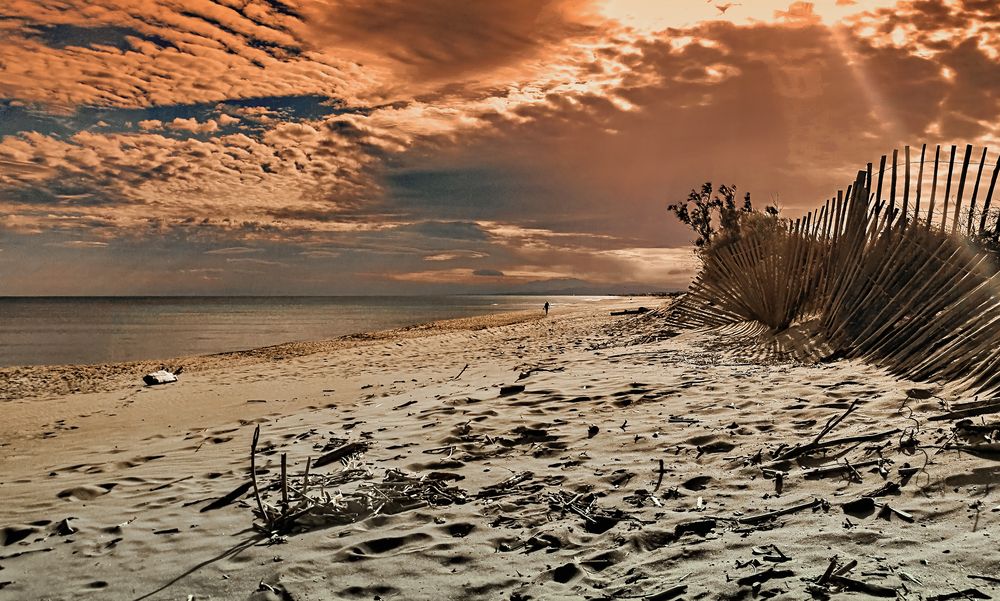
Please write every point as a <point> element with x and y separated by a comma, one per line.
<point>424,146</point>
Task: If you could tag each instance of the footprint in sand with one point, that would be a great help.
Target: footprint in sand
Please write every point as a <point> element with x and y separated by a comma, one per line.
<point>380,546</point>
<point>86,493</point>
<point>565,573</point>
<point>459,530</point>
<point>697,483</point>
<point>15,533</point>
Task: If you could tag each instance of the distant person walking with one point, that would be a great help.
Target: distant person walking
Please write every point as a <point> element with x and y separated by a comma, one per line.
<point>546,307</point>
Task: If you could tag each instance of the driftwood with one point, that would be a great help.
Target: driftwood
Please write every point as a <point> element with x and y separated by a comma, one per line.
<point>638,311</point>
<point>875,590</point>
<point>962,411</point>
<point>984,451</point>
<point>342,452</point>
<point>763,517</point>
<point>815,443</point>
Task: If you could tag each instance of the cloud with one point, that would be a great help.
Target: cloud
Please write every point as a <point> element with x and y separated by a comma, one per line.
<point>443,39</point>
<point>192,125</point>
<point>233,250</point>
<point>82,244</point>
<point>547,136</point>
<point>494,273</point>
<point>249,261</point>
<point>456,255</point>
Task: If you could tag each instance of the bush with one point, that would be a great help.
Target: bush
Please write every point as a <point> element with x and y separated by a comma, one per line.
<point>718,218</point>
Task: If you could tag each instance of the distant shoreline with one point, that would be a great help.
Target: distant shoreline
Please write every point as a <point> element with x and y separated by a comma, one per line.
<point>47,331</point>
<point>21,382</point>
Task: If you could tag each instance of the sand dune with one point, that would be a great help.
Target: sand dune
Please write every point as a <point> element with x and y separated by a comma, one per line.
<point>578,456</point>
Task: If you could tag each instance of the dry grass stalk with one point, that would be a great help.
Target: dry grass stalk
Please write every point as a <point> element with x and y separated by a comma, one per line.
<point>357,493</point>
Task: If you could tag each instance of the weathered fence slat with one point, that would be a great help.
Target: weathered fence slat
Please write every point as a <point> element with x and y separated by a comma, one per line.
<point>869,279</point>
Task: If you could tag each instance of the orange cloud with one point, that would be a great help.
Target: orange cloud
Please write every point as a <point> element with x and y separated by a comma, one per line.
<point>547,135</point>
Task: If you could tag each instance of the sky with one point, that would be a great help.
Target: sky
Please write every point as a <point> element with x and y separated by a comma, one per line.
<point>446,146</point>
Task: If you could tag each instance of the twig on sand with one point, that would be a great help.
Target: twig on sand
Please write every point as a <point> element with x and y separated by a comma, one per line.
<point>305,477</point>
<point>659,480</point>
<point>836,575</point>
<point>812,446</point>
<point>284,483</point>
<point>253,474</point>
<point>970,409</point>
<point>461,372</point>
<point>763,517</point>
<point>505,487</point>
<point>341,452</point>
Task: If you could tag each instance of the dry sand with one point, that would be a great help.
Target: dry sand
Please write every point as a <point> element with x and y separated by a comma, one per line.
<point>104,491</point>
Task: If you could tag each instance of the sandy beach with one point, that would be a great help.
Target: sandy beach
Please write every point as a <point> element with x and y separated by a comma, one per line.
<point>576,456</point>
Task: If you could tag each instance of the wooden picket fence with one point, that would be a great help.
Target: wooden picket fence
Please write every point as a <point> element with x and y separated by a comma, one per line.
<point>887,271</point>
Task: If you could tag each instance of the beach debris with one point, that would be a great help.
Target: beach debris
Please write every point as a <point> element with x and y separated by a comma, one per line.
<point>674,419</point>
<point>342,452</point>
<point>762,577</point>
<point>814,444</point>
<point>64,527</point>
<point>596,519</point>
<point>160,377</point>
<point>461,372</point>
<point>592,431</point>
<point>770,552</point>
<point>511,389</point>
<point>268,592</point>
<point>534,369</point>
<point>637,311</point>
<point>505,487</point>
<point>763,517</point>
<point>989,451</point>
<point>888,511</point>
<point>835,577</point>
<point>310,505</point>
<point>779,479</point>
<point>971,409</point>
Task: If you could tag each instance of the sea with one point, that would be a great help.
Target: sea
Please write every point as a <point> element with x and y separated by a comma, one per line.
<point>82,330</point>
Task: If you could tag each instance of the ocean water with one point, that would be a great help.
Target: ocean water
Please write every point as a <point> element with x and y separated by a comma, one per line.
<point>68,330</point>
